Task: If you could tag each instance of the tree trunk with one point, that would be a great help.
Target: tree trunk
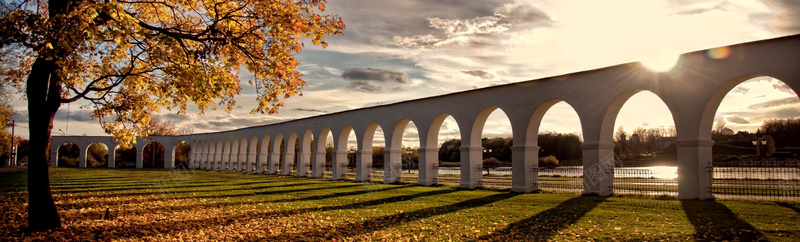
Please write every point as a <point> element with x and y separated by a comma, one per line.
<point>43,91</point>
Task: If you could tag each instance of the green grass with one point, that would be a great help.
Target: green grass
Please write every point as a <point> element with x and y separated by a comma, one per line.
<point>155,204</point>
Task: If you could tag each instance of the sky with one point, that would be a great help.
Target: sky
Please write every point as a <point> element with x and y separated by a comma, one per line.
<point>394,51</point>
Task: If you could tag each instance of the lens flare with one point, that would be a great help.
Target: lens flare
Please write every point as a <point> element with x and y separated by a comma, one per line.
<point>719,53</point>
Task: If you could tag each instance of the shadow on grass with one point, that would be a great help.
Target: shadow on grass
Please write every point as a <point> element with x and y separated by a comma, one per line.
<point>344,194</point>
<point>790,206</point>
<point>545,224</point>
<point>371,225</point>
<point>715,221</point>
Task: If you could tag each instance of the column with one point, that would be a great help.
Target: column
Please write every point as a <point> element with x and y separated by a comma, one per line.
<point>694,164</point>
<point>318,167</point>
<point>364,165</point>
<point>471,161</point>
<point>524,169</point>
<point>392,165</point>
<point>272,166</point>
<point>304,164</point>
<point>339,167</point>
<point>428,166</point>
<point>598,168</point>
<point>288,162</point>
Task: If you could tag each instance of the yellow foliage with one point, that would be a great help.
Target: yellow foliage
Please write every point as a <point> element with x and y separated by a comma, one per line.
<point>132,58</point>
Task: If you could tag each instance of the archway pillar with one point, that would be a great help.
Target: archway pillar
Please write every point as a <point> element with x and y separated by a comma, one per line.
<point>272,165</point>
<point>252,159</point>
<point>304,164</point>
<point>53,156</point>
<point>169,159</point>
<point>428,166</point>
<point>112,157</point>
<point>471,167</point>
<point>598,168</point>
<point>339,166</point>
<point>288,162</point>
<point>694,164</point>
<point>364,165</point>
<point>139,157</point>
<point>261,163</point>
<point>392,170</point>
<point>243,161</point>
<point>524,169</point>
<point>318,167</point>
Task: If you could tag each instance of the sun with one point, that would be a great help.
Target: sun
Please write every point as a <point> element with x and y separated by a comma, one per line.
<point>660,61</point>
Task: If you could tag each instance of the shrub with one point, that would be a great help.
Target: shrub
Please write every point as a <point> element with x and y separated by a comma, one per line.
<point>548,161</point>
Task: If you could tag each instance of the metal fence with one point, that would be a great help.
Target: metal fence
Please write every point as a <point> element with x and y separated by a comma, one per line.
<point>770,183</point>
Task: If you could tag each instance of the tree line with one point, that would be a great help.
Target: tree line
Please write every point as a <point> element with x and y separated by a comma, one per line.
<point>563,146</point>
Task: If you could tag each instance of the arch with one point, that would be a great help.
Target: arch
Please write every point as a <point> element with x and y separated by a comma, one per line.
<point>710,110</point>
<point>153,155</point>
<point>181,154</point>
<point>263,154</point>
<point>340,159</point>
<point>252,155</point>
<point>275,154</point>
<point>430,153</point>
<point>96,155</point>
<point>125,157</point>
<point>68,155</point>
<point>218,156</point>
<point>306,147</point>
<point>397,157</point>
<point>366,156</point>
<point>289,154</point>
<point>319,166</point>
<point>233,160</point>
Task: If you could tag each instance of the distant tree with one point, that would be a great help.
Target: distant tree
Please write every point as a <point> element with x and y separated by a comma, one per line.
<point>450,151</point>
<point>153,155</point>
<point>377,156</point>
<point>720,132</point>
<point>785,132</point>
<point>548,161</point>
<point>97,155</point>
<point>183,154</point>
<point>68,155</point>
<point>564,146</point>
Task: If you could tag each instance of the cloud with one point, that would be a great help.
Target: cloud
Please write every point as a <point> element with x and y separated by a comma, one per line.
<point>310,110</point>
<point>363,79</point>
<point>780,86</point>
<point>775,103</point>
<point>479,73</point>
<point>737,120</point>
<point>80,115</point>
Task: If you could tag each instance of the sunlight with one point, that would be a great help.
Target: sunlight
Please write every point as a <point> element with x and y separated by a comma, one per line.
<point>660,61</point>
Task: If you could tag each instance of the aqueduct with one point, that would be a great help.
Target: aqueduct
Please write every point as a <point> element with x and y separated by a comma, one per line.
<point>692,91</point>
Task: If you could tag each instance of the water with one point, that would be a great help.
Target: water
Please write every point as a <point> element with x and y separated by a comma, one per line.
<point>657,172</point>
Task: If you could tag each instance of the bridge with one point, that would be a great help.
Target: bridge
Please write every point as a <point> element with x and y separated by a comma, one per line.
<point>692,91</point>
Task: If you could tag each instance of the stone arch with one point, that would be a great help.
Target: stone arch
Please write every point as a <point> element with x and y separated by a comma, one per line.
<point>320,157</point>
<point>241,159</point>
<point>68,155</point>
<point>429,169</point>
<point>365,159</point>
<point>233,160</point>
<point>306,147</point>
<point>471,162</point>
<point>218,155</point>
<point>125,157</point>
<point>710,110</point>
<point>208,154</point>
<point>394,160</point>
<point>153,155</point>
<point>289,154</point>
<point>252,155</point>
<point>275,154</point>
<point>181,154</point>
<point>339,166</point>
<point>263,154</point>
<point>96,155</point>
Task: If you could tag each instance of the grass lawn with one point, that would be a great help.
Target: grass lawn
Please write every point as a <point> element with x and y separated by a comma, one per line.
<point>148,204</point>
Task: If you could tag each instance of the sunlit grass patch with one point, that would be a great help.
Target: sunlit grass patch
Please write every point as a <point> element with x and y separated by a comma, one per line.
<point>157,204</point>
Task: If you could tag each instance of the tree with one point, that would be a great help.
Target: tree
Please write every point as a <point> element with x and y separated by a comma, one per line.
<point>130,58</point>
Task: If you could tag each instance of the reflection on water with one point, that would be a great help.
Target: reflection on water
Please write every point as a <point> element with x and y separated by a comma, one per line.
<point>656,172</point>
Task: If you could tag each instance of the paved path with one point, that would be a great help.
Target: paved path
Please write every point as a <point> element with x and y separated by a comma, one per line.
<point>5,169</point>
